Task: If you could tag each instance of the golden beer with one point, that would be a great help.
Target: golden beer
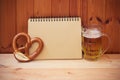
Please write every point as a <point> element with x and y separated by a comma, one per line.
<point>92,44</point>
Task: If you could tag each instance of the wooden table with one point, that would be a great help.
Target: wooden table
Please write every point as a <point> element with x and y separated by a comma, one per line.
<point>106,68</point>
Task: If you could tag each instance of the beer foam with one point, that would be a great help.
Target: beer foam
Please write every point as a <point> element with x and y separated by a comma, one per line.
<point>92,33</point>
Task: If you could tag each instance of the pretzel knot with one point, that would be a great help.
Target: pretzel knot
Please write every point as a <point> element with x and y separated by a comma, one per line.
<point>26,56</point>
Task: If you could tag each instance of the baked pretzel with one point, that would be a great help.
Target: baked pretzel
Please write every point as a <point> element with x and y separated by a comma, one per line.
<point>25,57</point>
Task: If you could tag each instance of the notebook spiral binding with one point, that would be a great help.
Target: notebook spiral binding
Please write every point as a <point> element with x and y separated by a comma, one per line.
<point>54,19</point>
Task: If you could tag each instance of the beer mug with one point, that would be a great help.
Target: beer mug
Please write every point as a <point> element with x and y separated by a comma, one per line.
<point>92,42</point>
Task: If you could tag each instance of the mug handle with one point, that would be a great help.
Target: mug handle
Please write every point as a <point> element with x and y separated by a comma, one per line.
<point>108,46</point>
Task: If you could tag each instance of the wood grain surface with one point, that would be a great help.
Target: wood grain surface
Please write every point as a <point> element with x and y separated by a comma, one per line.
<point>75,7</point>
<point>42,8</point>
<point>15,13</point>
<point>106,68</point>
<point>112,27</point>
<point>60,8</point>
<point>7,24</point>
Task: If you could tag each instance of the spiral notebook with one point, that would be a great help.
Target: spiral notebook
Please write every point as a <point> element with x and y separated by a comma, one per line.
<point>61,37</point>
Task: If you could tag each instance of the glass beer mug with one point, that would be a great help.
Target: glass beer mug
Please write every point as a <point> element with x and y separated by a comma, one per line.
<point>92,42</point>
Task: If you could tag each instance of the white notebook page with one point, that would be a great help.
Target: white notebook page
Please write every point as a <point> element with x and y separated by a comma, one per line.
<point>61,38</point>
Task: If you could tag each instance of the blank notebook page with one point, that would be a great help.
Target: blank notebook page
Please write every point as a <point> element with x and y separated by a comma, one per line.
<point>61,37</point>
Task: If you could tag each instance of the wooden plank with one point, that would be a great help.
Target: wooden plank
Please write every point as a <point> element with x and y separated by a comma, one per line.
<point>75,7</point>
<point>106,61</point>
<point>60,8</point>
<point>107,67</point>
<point>84,12</point>
<point>96,11</point>
<point>7,24</point>
<point>42,8</point>
<point>24,11</point>
<point>60,74</point>
<point>113,23</point>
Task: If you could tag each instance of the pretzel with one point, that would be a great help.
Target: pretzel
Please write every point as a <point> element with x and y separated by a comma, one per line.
<point>25,57</point>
